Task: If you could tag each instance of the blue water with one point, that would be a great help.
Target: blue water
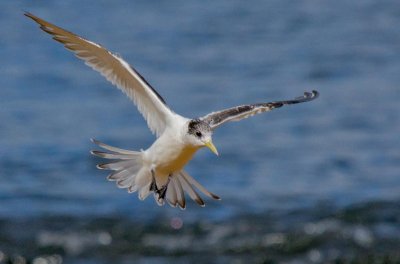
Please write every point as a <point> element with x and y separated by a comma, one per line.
<point>203,56</point>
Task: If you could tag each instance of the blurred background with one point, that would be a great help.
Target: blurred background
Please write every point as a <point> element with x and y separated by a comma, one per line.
<point>312,183</point>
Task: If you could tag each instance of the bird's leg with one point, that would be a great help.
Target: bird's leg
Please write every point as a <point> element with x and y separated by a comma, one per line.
<point>163,191</point>
<point>153,185</point>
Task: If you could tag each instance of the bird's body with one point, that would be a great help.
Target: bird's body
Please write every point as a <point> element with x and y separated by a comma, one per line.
<point>160,168</point>
<point>169,154</point>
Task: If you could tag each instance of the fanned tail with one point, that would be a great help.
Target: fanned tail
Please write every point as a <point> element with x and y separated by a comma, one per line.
<point>180,183</point>
<point>127,168</point>
<point>192,182</point>
<point>129,173</point>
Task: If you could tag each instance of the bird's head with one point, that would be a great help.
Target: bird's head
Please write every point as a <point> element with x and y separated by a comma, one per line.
<point>199,134</point>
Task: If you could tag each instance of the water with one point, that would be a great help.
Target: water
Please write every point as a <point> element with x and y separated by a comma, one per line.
<point>341,149</point>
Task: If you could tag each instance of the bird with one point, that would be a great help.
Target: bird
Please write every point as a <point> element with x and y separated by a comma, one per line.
<point>159,169</point>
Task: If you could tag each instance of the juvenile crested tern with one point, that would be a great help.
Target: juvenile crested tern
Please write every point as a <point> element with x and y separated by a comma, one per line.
<point>158,169</point>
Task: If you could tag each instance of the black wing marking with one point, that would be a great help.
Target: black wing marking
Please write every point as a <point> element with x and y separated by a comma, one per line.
<point>237,113</point>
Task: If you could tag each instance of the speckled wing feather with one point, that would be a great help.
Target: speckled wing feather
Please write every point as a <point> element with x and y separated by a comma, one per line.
<point>215,119</point>
<point>117,71</point>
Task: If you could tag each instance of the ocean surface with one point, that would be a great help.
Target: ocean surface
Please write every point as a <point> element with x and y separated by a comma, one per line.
<point>330,165</point>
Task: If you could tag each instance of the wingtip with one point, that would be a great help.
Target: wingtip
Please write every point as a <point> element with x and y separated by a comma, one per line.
<point>30,15</point>
<point>27,14</point>
<point>95,141</point>
<point>307,96</point>
<point>314,94</point>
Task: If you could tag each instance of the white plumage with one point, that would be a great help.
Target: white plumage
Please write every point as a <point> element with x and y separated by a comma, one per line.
<point>158,169</point>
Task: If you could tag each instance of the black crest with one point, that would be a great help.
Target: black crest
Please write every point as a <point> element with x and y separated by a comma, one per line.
<point>198,127</point>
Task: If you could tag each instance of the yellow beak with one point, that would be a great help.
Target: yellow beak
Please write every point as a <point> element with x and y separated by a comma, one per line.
<point>211,146</point>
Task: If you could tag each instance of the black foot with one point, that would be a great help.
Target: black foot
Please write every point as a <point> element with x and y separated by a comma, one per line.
<point>153,185</point>
<point>160,192</point>
<point>163,191</point>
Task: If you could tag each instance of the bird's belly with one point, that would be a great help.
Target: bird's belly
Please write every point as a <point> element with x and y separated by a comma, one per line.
<point>169,160</point>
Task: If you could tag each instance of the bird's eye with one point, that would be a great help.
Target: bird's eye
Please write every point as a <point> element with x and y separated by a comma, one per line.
<point>198,133</point>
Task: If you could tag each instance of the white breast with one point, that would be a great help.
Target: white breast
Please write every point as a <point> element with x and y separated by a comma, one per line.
<point>169,153</point>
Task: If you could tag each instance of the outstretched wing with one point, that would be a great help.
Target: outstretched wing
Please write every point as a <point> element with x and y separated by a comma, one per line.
<point>117,71</point>
<point>215,119</point>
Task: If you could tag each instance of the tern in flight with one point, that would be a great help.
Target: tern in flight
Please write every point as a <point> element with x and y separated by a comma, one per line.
<point>158,169</point>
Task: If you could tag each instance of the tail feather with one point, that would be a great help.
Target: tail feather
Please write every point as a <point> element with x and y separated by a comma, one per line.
<point>144,191</point>
<point>126,182</point>
<point>114,176</point>
<point>107,155</point>
<point>180,183</point>
<point>143,178</point>
<point>189,189</point>
<point>132,189</point>
<point>127,168</point>
<point>114,149</point>
<point>128,172</point>
<point>171,196</point>
<point>196,184</point>
<point>118,165</point>
<point>179,193</point>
